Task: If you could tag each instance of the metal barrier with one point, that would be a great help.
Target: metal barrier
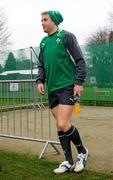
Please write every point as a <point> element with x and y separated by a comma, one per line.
<point>24,114</point>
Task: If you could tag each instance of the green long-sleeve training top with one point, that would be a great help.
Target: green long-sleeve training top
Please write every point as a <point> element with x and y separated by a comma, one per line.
<point>61,62</point>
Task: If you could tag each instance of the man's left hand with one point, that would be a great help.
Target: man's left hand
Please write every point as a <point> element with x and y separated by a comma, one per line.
<point>78,89</point>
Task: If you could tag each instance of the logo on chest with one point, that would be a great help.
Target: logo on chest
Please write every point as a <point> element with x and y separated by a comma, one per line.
<point>58,41</point>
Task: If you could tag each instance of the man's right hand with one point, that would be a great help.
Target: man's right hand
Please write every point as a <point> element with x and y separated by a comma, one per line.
<point>40,88</point>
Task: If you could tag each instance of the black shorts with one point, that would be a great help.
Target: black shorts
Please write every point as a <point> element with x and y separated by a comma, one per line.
<point>61,96</point>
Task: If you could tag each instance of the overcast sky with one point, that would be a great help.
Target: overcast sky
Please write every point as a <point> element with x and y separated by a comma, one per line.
<point>81,17</point>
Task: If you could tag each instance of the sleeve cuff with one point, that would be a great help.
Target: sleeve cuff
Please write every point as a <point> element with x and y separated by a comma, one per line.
<point>78,82</point>
<point>38,81</point>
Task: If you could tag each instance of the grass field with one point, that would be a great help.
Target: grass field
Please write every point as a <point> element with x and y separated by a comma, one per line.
<point>27,167</point>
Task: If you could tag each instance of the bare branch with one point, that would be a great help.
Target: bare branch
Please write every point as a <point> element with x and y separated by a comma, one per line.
<point>99,36</point>
<point>4,33</point>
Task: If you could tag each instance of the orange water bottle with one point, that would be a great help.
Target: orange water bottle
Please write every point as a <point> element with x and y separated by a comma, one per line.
<point>76,109</point>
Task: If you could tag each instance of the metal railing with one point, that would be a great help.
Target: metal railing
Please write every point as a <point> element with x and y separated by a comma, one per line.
<point>24,114</point>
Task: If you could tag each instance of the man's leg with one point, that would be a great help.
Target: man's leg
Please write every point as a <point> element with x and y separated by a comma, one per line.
<point>64,123</point>
<point>64,140</point>
<point>74,136</point>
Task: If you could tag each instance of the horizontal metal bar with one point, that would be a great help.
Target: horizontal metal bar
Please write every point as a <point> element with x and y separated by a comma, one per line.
<point>30,139</point>
<point>18,80</point>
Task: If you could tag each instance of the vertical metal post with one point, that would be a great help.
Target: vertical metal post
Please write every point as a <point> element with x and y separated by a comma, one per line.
<point>31,57</point>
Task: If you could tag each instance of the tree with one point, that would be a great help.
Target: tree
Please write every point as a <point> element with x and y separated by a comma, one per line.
<point>10,63</point>
<point>110,18</point>
<point>99,36</point>
<point>24,64</point>
<point>4,34</point>
<point>99,50</point>
<point>23,59</point>
<point>1,68</point>
<point>111,36</point>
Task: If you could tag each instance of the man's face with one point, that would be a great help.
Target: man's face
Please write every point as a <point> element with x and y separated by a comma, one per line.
<point>47,23</point>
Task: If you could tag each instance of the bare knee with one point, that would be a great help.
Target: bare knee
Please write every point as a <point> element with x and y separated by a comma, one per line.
<point>60,125</point>
<point>63,125</point>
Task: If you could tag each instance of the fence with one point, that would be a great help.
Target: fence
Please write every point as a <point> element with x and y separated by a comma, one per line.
<point>22,64</point>
<point>24,114</point>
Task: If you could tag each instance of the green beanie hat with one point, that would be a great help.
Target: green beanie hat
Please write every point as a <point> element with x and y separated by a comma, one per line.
<point>56,17</point>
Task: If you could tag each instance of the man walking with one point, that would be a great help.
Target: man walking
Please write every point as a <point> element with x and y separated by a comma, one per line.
<point>62,65</point>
